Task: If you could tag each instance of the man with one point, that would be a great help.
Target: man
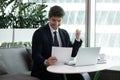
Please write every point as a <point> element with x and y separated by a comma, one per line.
<point>42,42</point>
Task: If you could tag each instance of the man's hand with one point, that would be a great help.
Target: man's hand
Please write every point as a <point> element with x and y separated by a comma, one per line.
<point>51,61</point>
<point>78,32</point>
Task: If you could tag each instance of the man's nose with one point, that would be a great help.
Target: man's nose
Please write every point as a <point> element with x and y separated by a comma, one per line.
<point>56,23</point>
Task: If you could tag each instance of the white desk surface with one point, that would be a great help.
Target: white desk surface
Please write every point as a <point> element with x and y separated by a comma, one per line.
<point>116,68</point>
<point>112,51</point>
<point>65,69</point>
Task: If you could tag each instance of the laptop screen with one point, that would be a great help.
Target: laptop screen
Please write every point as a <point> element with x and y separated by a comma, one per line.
<point>87,56</point>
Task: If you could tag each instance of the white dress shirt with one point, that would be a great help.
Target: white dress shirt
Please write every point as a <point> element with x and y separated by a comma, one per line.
<point>58,35</point>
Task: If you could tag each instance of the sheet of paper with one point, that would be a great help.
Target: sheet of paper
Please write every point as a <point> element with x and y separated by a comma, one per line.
<point>63,54</point>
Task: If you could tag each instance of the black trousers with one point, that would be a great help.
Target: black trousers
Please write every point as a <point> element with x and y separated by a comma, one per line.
<point>52,76</point>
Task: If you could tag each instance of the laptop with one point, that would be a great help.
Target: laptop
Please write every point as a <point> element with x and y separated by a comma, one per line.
<point>86,56</point>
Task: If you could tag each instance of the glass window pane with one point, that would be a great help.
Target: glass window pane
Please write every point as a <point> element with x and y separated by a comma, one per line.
<point>117,18</point>
<point>107,23</point>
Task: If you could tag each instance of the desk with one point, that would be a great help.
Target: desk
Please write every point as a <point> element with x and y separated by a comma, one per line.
<point>61,68</point>
<point>65,69</point>
<point>115,52</point>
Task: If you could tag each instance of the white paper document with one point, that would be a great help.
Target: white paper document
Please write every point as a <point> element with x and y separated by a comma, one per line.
<point>63,54</point>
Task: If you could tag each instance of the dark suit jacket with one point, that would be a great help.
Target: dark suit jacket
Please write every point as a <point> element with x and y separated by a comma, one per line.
<point>41,47</point>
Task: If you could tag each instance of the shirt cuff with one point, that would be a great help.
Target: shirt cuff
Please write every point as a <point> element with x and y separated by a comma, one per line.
<point>45,62</point>
<point>78,40</point>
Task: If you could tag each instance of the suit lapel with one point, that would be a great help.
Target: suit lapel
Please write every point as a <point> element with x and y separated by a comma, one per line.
<point>49,34</point>
<point>62,38</point>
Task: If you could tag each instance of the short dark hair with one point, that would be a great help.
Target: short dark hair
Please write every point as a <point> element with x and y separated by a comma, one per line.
<point>56,11</point>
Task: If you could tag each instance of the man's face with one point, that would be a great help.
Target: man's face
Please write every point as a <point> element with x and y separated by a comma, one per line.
<point>55,22</point>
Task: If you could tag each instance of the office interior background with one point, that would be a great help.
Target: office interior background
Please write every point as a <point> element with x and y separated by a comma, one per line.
<point>98,21</point>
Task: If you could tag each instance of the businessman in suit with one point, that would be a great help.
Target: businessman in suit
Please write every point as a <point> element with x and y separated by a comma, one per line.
<point>42,42</point>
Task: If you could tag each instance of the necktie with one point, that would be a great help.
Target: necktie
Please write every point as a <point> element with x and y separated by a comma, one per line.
<point>55,42</point>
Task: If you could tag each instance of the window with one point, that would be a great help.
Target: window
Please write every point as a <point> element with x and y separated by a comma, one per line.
<point>107,23</point>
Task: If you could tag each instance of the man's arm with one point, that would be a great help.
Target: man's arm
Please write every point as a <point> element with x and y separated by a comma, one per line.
<point>77,44</point>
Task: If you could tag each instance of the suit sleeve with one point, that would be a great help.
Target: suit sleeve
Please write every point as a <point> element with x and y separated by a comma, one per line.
<point>76,46</point>
<point>67,42</point>
<point>37,48</point>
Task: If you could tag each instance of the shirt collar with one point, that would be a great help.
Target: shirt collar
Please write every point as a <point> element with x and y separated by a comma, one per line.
<point>52,30</point>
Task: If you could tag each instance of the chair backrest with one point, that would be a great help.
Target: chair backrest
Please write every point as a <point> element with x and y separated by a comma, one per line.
<point>15,60</point>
